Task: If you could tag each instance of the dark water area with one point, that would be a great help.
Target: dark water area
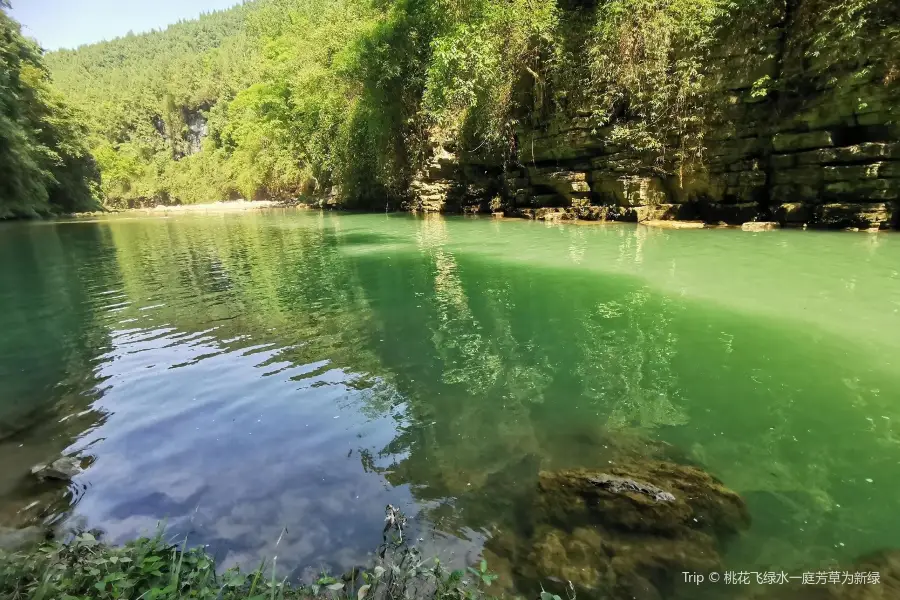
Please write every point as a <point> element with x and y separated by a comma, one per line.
<point>238,375</point>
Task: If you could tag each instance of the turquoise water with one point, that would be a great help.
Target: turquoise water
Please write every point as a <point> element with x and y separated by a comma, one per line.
<point>236,375</point>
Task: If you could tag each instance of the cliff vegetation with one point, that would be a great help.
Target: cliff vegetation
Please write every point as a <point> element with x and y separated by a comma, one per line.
<point>589,108</point>
<point>45,164</point>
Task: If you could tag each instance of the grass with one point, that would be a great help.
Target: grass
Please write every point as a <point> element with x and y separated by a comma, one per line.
<point>153,569</point>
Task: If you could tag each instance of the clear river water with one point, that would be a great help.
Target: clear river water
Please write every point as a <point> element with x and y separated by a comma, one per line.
<point>239,375</point>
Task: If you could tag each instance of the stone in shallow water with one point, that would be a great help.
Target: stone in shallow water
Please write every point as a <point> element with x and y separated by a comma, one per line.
<point>760,226</point>
<point>63,469</point>
<point>701,502</point>
<point>622,485</point>
<point>674,224</point>
<point>628,531</point>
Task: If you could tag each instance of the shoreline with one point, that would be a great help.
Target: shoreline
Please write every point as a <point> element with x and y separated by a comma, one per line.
<point>547,216</point>
<point>206,207</point>
<point>85,565</point>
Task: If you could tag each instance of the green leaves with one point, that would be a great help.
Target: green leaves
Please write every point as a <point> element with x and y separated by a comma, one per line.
<point>647,71</point>
<point>761,87</point>
<point>482,573</point>
<point>297,96</point>
<point>44,163</point>
<point>478,61</point>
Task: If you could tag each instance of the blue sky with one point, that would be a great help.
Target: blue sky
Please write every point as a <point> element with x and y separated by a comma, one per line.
<point>70,23</point>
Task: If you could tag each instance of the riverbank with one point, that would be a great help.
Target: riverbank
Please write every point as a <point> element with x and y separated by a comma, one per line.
<point>204,208</point>
<point>212,207</point>
<point>660,218</point>
<point>603,215</point>
<point>85,567</point>
<point>549,215</point>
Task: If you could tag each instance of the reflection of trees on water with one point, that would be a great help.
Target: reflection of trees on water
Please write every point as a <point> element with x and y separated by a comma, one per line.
<point>480,354</point>
<point>202,287</point>
<point>257,283</point>
<point>251,281</point>
<point>57,282</point>
<point>519,376</point>
<point>631,244</point>
<point>626,368</point>
<point>457,335</point>
<point>520,368</point>
<point>577,245</point>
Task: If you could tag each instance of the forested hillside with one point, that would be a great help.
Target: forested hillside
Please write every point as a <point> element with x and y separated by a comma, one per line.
<point>147,97</point>
<point>45,166</point>
<point>516,103</point>
<point>253,102</point>
<point>273,98</point>
<point>280,97</point>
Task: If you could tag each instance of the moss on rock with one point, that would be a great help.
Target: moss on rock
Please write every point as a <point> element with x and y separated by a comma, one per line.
<point>625,532</point>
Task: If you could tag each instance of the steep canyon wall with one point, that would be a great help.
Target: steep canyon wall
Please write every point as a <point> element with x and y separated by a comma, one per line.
<point>799,126</point>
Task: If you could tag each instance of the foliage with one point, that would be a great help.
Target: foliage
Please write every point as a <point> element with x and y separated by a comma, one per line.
<point>850,26</point>
<point>144,94</point>
<point>477,65</point>
<point>348,92</point>
<point>285,98</point>
<point>44,164</point>
<point>151,569</point>
<point>483,574</point>
<point>647,62</point>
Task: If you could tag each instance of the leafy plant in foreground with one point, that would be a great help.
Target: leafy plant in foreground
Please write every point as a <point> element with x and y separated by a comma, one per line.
<point>153,569</point>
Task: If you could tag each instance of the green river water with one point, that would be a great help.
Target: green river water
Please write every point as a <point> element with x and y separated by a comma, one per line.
<point>235,375</point>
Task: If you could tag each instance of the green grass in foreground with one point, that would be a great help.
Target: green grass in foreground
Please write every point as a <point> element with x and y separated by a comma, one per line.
<point>152,569</point>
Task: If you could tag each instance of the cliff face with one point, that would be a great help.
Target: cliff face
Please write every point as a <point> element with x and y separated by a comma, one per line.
<point>799,125</point>
<point>185,129</point>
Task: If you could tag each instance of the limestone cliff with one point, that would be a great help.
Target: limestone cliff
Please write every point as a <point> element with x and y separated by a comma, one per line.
<point>796,129</point>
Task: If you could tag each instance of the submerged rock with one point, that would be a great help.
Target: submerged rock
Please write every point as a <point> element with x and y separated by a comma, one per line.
<point>63,469</point>
<point>625,532</point>
<point>631,503</point>
<point>620,485</point>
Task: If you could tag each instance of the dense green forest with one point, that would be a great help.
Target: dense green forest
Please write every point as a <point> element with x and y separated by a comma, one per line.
<point>45,164</point>
<point>281,98</point>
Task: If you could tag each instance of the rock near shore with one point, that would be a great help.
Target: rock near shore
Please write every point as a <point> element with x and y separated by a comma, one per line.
<point>627,532</point>
<point>63,469</point>
<point>757,226</point>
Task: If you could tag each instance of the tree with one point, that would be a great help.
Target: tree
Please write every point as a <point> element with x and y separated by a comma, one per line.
<point>45,166</point>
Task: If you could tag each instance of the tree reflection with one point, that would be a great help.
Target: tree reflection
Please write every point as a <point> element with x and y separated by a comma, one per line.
<point>55,284</point>
<point>479,369</point>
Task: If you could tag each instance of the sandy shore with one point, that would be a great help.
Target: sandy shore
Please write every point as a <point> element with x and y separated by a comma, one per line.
<point>206,208</point>
<point>231,206</point>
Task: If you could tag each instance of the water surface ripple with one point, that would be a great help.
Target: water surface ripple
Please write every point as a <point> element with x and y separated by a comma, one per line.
<point>236,375</point>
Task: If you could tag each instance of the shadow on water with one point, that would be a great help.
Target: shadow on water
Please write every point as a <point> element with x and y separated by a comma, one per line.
<point>49,281</point>
<point>238,375</point>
